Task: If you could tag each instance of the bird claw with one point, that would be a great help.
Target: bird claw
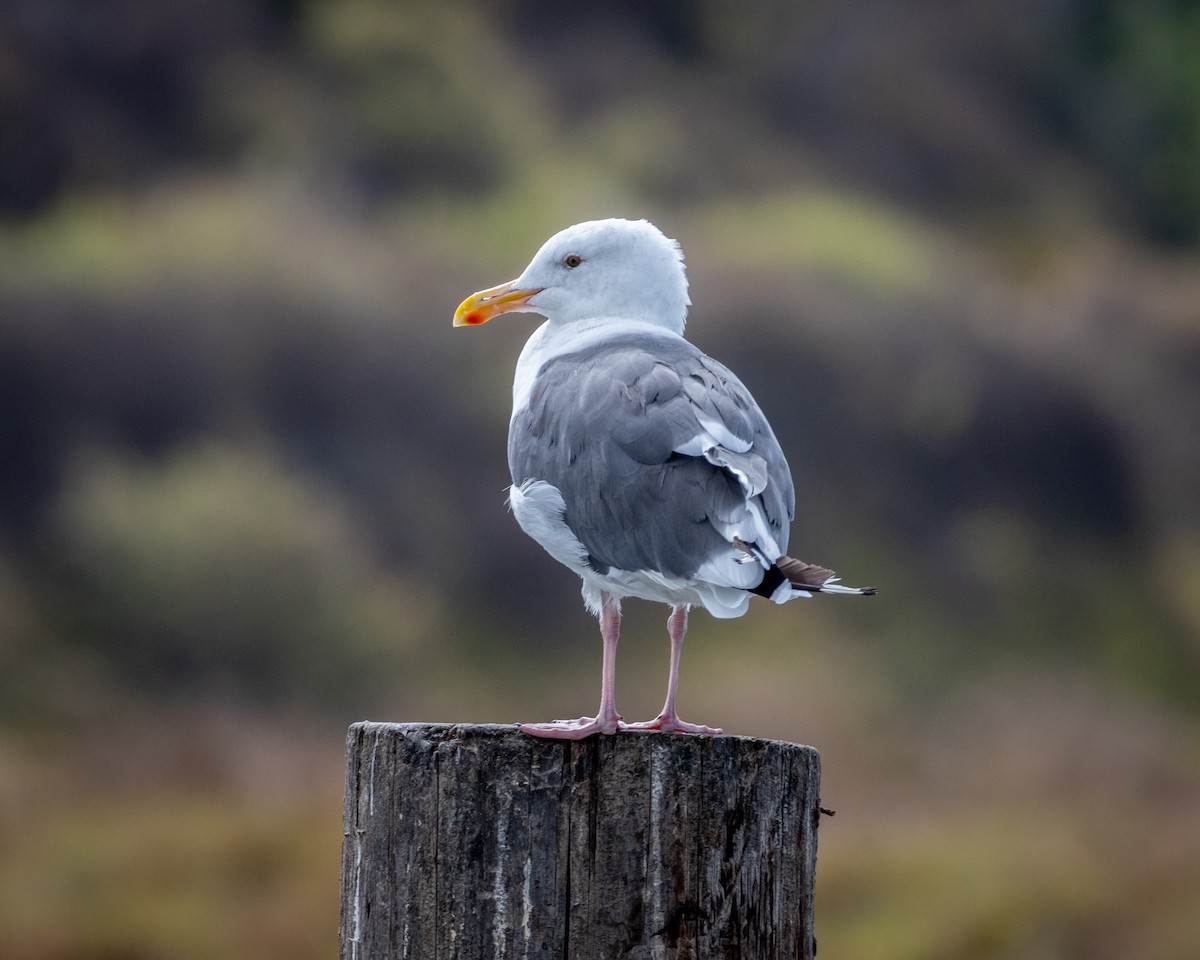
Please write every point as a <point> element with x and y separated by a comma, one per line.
<point>578,729</point>
<point>669,723</point>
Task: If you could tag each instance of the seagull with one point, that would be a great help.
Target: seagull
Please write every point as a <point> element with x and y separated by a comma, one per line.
<point>638,461</point>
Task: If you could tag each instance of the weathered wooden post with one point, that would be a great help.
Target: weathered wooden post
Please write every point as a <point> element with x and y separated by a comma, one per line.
<point>479,842</point>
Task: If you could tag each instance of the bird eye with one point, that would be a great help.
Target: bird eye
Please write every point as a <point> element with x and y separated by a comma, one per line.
<point>572,260</point>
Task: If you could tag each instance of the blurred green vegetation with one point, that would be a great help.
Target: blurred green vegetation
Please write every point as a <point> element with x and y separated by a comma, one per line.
<point>252,483</point>
<point>220,568</point>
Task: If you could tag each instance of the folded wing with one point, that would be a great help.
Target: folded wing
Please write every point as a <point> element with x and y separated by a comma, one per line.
<point>662,459</point>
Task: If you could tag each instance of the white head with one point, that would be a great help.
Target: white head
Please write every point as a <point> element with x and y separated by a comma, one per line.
<point>621,269</point>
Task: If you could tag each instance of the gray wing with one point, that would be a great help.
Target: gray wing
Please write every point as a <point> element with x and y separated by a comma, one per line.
<point>619,428</point>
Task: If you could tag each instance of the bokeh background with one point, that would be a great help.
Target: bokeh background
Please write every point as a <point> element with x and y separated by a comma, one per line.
<point>252,481</point>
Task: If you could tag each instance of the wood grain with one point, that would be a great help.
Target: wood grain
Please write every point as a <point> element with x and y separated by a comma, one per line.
<point>477,841</point>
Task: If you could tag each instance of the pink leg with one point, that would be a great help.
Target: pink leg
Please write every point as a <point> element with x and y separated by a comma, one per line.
<point>668,720</point>
<point>607,720</point>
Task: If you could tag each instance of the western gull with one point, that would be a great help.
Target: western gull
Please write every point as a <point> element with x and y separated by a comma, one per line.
<point>638,461</point>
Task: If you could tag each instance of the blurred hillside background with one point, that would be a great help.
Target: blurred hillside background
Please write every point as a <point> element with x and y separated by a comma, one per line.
<point>252,481</point>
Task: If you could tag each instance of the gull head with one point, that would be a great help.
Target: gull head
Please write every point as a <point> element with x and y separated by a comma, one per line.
<point>597,270</point>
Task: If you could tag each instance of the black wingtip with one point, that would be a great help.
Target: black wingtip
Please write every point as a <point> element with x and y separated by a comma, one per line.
<point>869,591</point>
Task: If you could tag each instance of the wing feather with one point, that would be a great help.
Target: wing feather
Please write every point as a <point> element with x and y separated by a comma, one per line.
<point>658,451</point>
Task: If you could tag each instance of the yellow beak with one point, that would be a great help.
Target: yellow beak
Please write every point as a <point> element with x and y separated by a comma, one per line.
<point>482,306</point>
